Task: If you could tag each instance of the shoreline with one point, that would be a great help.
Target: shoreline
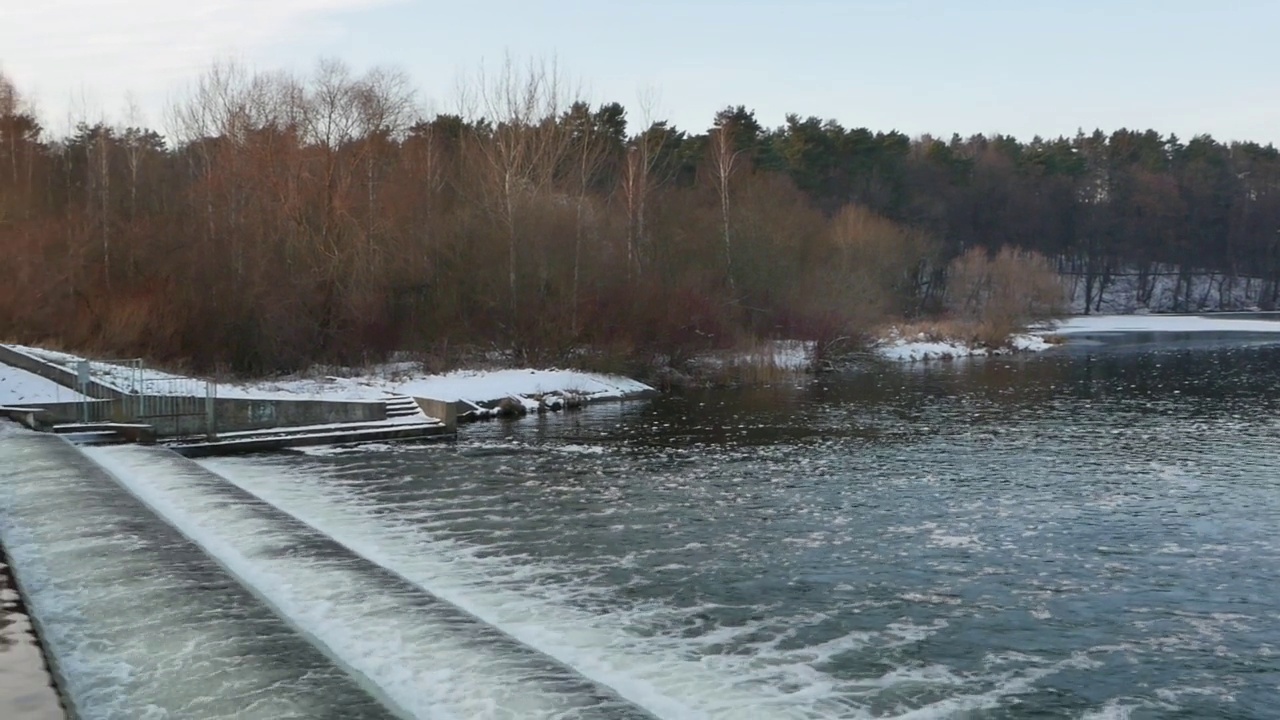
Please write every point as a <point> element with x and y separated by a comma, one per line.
<point>927,346</point>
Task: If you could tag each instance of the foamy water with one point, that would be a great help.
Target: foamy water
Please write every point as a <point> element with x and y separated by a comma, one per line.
<point>139,624</point>
<point>421,656</point>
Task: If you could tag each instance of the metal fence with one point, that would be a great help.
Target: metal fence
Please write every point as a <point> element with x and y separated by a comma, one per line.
<point>125,391</point>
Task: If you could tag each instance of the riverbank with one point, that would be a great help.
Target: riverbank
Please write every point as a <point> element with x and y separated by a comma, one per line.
<point>475,393</point>
<point>922,346</point>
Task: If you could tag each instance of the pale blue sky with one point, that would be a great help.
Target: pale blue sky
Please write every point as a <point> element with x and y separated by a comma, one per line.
<point>1030,67</point>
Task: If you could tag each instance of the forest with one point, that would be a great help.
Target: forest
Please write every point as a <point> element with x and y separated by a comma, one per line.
<point>277,221</point>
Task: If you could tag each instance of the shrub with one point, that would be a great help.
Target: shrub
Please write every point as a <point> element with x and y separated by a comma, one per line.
<point>1001,294</point>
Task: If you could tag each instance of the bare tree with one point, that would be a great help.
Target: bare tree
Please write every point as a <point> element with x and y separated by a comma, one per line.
<point>724,165</point>
<point>590,151</point>
<point>522,149</point>
<point>638,181</point>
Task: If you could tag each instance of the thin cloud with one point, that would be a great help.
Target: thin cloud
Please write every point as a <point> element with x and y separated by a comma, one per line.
<point>86,52</point>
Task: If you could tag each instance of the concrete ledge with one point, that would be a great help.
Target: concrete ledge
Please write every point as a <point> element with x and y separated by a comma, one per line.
<point>275,443</point>
<point>445,412</point>
<point>64,376</point>
<point>28,417</point>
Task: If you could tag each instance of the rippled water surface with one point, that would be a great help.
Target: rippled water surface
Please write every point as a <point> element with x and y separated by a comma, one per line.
<point>1094,532</point>
<point>1089,533</point>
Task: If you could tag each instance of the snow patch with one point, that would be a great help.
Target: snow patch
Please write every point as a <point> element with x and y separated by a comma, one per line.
<point>1091,324</point>
<point>19,387</point>
<point>475,387</point>
<point>922,348</point>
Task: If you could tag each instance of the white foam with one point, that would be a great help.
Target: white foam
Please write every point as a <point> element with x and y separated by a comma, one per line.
<point>668,676</point>
<point>126,635</point>
<point>644,651</point>
<point>426,669</point>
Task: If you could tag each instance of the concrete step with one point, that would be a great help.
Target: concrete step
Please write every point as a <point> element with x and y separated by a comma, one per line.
<point>106,433</point>
<point>305,437</point>
<point>402,406</point>
<point>310,430</point>
<point>95,437</point>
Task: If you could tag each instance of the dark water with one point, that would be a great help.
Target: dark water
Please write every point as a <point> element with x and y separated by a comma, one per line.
<point>1093,532</point>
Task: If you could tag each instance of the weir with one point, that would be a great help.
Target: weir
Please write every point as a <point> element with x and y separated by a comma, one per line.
<point>429,658</point>
<point>136,619</point>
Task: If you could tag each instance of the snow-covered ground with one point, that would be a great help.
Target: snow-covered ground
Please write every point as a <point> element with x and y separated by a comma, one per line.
<point>1091,324</point>
<point>472,386</point>
<point>375,384</point>
<point>922,348</point>
<point>1166,292</point>
<point>19,387</point>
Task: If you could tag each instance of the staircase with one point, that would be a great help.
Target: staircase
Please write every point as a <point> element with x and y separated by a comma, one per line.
<point>403,408</point>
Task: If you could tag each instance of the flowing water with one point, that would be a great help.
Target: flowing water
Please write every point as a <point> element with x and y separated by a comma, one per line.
<point>1089,533</point>
<point>140,623</point>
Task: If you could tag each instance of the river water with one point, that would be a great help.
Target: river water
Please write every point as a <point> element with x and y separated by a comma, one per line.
<point>1093,532</point>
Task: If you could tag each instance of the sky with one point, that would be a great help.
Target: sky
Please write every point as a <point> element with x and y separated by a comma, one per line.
<point>1021,67</point>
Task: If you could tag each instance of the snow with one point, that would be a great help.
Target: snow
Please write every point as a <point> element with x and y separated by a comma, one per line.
<point>117,374</point>
<point>1091,324</point>
<point>921,348</point>
<point>19,387</point>
<point>376,384</point>
<point>1167,291</point>
<point>493,385</point>
<point>905,350</point>
<point>1029,343</point>
<point>487,386</point>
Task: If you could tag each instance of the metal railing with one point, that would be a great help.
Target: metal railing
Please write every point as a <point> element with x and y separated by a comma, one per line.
<point>126,391</point>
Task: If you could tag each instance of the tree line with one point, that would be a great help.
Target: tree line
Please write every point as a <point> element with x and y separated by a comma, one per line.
<point>282,221</point>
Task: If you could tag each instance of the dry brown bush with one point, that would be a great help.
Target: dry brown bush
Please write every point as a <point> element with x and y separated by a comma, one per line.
<point>886,262</point>
<point>999,295</point>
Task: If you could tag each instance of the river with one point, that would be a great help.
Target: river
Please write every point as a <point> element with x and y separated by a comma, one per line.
<point>1093,532</point>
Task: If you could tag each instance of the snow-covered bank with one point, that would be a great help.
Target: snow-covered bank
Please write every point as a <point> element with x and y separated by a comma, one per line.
<point>476,387</point>
<point>1091,324</point>
<point>374,384</point>
<point>19,387</point>
<point>921,347</point>
<point>487,392</point>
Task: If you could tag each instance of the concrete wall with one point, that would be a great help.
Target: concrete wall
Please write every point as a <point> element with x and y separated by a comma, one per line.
<point>231,415</point>
<point>444,411</point>
<point>239,415</point>
<point>235,415</point>
<point>56,373</point>
<point>188,416</point>
<point>71,412</point>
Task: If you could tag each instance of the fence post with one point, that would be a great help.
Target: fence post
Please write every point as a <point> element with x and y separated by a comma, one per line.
<point>210,412</point>
<point>141,390</point>
<point>82,381</point>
